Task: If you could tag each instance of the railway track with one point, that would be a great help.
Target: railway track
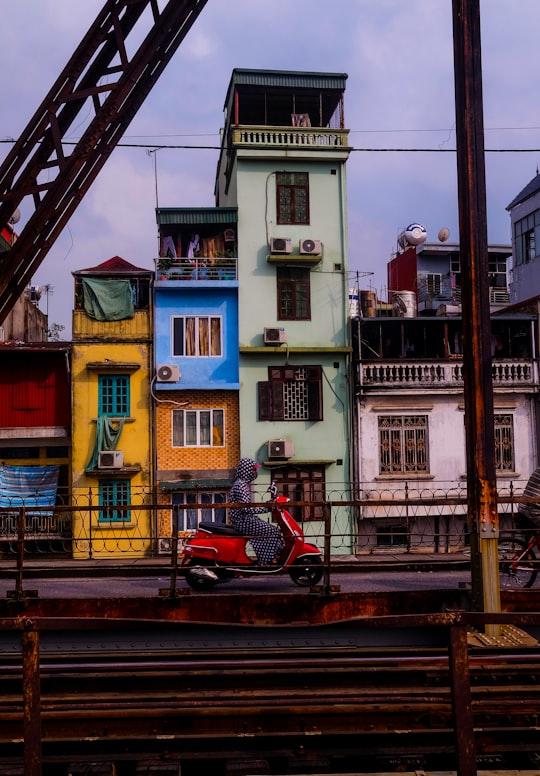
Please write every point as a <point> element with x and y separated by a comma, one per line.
<point>340,698</point>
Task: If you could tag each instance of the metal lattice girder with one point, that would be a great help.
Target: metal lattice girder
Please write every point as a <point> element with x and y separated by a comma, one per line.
<point>101,78</point>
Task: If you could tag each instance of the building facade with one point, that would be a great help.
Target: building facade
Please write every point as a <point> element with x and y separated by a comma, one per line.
<point>196,382</point>
<point>525,221</point>
<point>112,366</point>
<point>410,424</point>
<point>282,165</point>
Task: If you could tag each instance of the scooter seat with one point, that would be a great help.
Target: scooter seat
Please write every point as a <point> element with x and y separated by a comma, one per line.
<point>219,528</point>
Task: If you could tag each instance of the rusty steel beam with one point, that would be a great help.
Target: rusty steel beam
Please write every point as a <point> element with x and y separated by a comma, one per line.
<point>101,77</point>
<point>478,385</point>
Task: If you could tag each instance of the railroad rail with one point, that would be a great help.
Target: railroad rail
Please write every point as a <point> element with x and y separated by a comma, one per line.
<point>365,695</point>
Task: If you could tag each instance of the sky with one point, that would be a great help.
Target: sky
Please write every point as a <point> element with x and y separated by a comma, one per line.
<point>399,108</point>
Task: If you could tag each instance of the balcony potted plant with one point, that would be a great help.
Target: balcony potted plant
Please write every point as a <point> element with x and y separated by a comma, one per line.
<point>164,264</point>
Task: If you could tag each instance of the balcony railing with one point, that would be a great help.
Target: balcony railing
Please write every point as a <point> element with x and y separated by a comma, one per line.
<point>290,136</point>
<point>443,374</point>
<point>196,269</point>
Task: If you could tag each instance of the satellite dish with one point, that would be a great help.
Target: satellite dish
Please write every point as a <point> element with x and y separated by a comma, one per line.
<point>444,234</point>
<point>15,217</point>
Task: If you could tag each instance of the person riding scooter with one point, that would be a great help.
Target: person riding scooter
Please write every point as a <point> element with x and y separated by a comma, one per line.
<point>245,519</point>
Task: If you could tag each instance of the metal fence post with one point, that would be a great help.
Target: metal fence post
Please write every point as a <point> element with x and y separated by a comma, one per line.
<point>327,511</point>
<point>31,700</point>
<point>458,658</point>
<point>19,592</point>
<point>174,551</point>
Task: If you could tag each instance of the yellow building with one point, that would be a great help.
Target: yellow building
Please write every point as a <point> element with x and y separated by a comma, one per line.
<point>112,365</point>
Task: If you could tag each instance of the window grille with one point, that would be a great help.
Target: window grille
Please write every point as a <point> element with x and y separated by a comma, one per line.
<point>403,444</point>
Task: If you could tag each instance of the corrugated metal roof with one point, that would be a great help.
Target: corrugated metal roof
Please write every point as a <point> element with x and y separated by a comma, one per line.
<point>289,78</point>
<point>190,216</point>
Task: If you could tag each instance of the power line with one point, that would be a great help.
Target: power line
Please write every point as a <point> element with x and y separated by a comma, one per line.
<point>371,150</point>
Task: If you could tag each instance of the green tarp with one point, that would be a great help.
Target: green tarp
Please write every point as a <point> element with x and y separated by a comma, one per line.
<point>108,300</point>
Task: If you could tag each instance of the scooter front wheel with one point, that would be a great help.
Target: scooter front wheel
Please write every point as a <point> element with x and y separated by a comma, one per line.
<point>199,574</point>
<point>307,571</point>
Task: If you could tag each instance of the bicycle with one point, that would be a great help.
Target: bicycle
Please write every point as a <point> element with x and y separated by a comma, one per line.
<point>517,560</point>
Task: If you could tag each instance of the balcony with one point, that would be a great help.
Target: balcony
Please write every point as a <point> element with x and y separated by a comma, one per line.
<point>437,374</point>
<point>197,269</point>
<point>281,137</point>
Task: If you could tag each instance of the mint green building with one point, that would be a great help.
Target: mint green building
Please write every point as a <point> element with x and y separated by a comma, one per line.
<point>282,164</point>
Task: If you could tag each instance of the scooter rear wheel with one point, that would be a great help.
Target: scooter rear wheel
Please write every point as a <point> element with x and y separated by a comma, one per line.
<point>196,581</point>
<point>307,571</point>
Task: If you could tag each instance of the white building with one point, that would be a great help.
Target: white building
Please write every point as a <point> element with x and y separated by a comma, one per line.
<point>410,425</point>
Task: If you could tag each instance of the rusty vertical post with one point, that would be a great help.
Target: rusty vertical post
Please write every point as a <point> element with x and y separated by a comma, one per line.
<point>478,385</point>
<point>327,512</point>
<point>31,700</point>
<point>460,679</point>
<point>19,590</point>
<point>174,552</point>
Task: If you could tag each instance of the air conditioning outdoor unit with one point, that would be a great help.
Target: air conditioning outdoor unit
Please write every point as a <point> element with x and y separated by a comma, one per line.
<point>280,448</point>
<point>274,336</point>
<point>168,373</point>
<point>309,246</point>
<point>280,245</point>
<point>110,459</point>
<point>164,545</point>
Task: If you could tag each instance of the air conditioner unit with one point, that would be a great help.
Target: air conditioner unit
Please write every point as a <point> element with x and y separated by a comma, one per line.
<point>310,246</point>
<point>164,545</point>
<point>274,336</point>
<point>280,245</point>
<point>110,459</point>
<point>280,448</point>
<point>168,373</point>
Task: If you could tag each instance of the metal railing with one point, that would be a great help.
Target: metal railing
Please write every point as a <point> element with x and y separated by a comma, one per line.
<point>199,268</point>
<point>442,373</point>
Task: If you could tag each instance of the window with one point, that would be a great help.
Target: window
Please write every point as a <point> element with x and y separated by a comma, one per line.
<point>527,238</point>
<point>302,484</point>
<point>504,443</point>
<point>196,335</point>
<point>433,282</point>
<point>114,494</point>
<point>113,395</point>
<point>189,519</point>
<point>293,294</point>
<point>198,428</point>
<point>291,393</point>
<point>403,444</point>
<point>292,191</point>
<point>392,535</point>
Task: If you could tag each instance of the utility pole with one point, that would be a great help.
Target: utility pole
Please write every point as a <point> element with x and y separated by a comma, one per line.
<point>477,366</point>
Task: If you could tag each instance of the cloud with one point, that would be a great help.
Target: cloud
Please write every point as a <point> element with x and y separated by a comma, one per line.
<point>400,94</point>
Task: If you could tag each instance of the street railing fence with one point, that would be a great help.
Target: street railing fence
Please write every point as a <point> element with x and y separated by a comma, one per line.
<point>355,520</point>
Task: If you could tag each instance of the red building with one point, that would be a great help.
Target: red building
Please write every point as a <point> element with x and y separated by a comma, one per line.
<point>35,417</point>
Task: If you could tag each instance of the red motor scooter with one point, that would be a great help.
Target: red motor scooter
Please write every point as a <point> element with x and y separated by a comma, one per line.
<point>218,552</point>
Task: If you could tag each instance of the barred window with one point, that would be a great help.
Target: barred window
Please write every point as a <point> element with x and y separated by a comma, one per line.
<point>403,444</point>
<point>292,192</point>
<point>504,443</point>
<point>198,428</point>
<point>196,335</point>
<point>114,494</point>
<point>291,393</point>
<point>391,535</point>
